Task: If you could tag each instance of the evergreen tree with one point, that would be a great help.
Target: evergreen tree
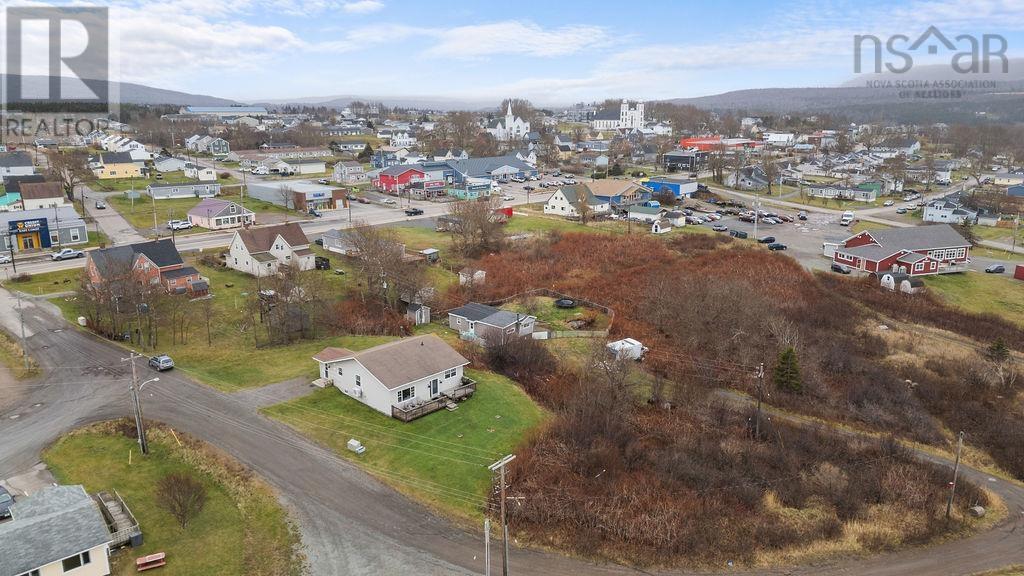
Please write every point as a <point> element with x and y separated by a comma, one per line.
<point>787,371</point>
<point>998,352</point>
<point>366,154</point>
<point>616,170</point>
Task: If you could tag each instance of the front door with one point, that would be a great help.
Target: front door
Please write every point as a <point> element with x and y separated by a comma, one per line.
<point>433,387</point>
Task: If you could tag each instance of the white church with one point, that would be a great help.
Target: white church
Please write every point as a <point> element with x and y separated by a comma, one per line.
<point>628,116</point>
<point>512,128</point>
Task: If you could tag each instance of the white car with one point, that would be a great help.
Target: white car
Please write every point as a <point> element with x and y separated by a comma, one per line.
<point>5,258</point>
<point>66,254</point>
<point>179,224</point>
<point>508,197</point>
<point>888,203</point>
<point>389,201</point>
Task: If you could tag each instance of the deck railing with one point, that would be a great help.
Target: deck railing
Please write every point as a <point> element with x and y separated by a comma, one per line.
<point>416,409</point>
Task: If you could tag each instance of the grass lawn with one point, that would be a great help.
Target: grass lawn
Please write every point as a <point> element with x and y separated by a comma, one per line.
<point>543,307</point>
<point>139,184</point>
<point>240,530</point>
<point>140,212</point>
<point>48,282</point>
<point>233,361</point>
<point>1004,235</point>
<point>978,292</point>
<point>862,225</point>
<point>11,357</point>
<point>440,459</point>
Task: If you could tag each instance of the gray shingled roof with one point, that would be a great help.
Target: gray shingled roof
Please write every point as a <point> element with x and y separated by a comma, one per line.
<point>482,167</point>
<point>50,525</point>
<point>920,237</point>
<point>403,361</point>
<point>475,312</point>
<point>13,159</point>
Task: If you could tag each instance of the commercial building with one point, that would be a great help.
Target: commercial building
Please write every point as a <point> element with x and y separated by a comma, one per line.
<point>42,228</point>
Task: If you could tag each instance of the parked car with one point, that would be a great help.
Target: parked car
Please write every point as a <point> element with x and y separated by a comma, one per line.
<point>161,362</point>
<point>389,201</point>
<point>312,212</point>
<point>101,205</point>
<point>776,246</point>
<point>6,501</point>
<point>413,211</point>
<point>901,210</point>
<point>5,258</point>
<point>785,218</point>
<point>888,203</point>
<point>67,254</point>
<point>766,240</point>
<point>720,228</point>
<point>738,234</point>
<point>362,200</point>
<point>836,267</point>
<point>323,181</point>
<point>802,215</point>
<point>528,188</point>
<point>508,197</point>
<point>319,241</point>
<point>996,269</point>
<point>179,224</point>
<point>518,180</point>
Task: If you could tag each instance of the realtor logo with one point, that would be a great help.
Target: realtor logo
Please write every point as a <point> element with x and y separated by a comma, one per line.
<point>971,54</point>
<point>57,54</point>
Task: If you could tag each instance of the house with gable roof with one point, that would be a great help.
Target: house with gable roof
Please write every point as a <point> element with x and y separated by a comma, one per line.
<point>489,325</point>
<point>566,201</point>
<point>404,379</point>
<point>262,251</point>
<point>153,262</point>
<point>216,214</point>
<point>917,250</point>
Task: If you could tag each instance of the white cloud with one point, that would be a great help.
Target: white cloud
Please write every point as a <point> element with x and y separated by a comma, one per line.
<point>516,38</point>
<point>362,6</point>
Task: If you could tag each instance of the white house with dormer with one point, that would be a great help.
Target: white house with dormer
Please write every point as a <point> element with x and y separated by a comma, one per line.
<point>261,251</point>
<point>512,127</point>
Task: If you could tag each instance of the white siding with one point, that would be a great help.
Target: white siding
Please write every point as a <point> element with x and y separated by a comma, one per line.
<point>376,395</point>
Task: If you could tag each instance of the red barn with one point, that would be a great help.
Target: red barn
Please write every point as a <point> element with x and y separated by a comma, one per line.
<point>917,251</point>
<point>397,178</point>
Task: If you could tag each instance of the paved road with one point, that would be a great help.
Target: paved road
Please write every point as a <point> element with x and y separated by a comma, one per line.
<point>351,523</point>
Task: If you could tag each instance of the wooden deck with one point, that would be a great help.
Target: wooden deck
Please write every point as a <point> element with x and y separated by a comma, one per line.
<point>412,412</point>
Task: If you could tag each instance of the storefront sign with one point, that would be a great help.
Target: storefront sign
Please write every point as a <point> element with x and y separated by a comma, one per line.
<point>26,226</point>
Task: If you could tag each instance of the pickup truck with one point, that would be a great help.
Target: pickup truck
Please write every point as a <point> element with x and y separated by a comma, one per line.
<point>66,254</point>
<point>413,211</point>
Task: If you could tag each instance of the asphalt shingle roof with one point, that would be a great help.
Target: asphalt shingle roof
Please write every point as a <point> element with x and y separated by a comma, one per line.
<point>261,239</point>
<point>15,159</point>
<point>52,524</point>
<point>403,361</point>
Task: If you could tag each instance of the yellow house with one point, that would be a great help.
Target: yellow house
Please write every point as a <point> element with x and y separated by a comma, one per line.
<point>115,165</point>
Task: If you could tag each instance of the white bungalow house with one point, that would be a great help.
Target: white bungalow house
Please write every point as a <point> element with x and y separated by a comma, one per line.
<point>261,251</point>
<point>405,379</point>
<point>566,201</point>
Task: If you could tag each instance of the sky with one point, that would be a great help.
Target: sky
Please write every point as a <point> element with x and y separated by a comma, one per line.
<point>552,52</point>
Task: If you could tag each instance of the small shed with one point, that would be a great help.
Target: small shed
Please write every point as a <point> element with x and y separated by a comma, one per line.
<point>470,276</point>
<point>1018,272</point>
<point>418,314</point>
<point>892,280</point>
<point>431,255</point>
<point>676,218</point>
<point>661,226</point>
<point>911,285</point>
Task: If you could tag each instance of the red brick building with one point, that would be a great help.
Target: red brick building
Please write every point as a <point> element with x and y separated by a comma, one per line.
<point>155,262</point>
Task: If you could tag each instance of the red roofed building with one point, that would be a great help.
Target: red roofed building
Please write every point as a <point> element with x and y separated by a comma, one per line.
<point>917,251</point>
<point>397,178</point>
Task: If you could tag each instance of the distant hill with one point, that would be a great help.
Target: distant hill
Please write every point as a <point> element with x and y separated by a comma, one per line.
<point>135,93</point>
<point>428,102</point>
<point>877,97</point>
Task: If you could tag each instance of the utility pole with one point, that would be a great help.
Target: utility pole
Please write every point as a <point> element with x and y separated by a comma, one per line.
<point>500,467</point>
<point>956,470</point>
<point>1016,228</point>
<point>760,395</point>
<point>487,547</point>
<point>134,390</point>
<point>21,318</point>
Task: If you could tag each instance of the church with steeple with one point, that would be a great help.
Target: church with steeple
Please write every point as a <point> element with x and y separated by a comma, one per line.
<point>511,127</point>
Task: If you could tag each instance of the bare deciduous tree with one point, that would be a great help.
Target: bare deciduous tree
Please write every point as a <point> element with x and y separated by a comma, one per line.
<point>475,228</point>
<point>182,496</point>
